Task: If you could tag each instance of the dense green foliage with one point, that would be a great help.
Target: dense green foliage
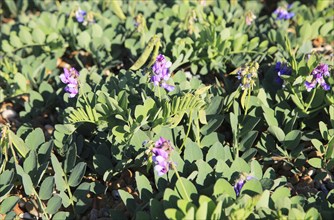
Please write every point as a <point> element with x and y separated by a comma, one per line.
<point>229,117</point>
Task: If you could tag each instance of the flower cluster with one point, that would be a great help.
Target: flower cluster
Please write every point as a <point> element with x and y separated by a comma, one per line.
<point>70,77</point>
<point>161,153</point>
<point>318,74</point>
<point>240,183</point>
<point>282,69</point>
<point>282,14</point>
<point>247,76</point>
<point>83,17</point>
<point>249,17</point>
<point>161,73</point>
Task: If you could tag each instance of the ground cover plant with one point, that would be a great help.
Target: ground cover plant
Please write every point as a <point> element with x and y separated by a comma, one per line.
<point>167,109</point>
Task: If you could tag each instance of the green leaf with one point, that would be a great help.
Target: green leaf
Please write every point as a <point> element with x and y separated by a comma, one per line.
<point>18,143</point>
<point>174,214</point>
<point>21,81</point>
<point>5,191</point>
<point>25,36</point>
<point>128,200</point>
<point>330,149</point>
<point>46,189</point>
<point>315,162</point>
<point>6,177</point>
<point>30,163</point>
<point>213,123</point>
<point>186,188</point>
<point>263,202</point>
<point>102,163</point>
<point>38,36</point>
<point>70,159</point>
<point>206,208</point>
<point>61,215</point>
<point>97,30</point>
<point>292,139</point>
<point>15,40</point>
<point>248,140</point>
<point>59,173</point>
<point>84,39</point>
<point>215,152</point>
<point>204,172</point>
<point>277,132</point>
<point>269,115</point>
<point>305,32</point>
<point>35,139</point>
<point>65,128</point>
<point>256,169</point>
<point>323,130</point>
<point>280,193</point>
<point>326,28</point>
<point>156,209</point>
<point>192,151</point>
<point>239,165</point>
<point>222,186</point>
<point>77,174</point>
<point>26,180</point>
<point>252,187</point>
<point>312,214</point>
<point>144,187</point>
<point>53,204</point>
<point>8,204</point>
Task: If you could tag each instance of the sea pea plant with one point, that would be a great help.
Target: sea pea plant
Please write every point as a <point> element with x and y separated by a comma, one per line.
<point>167,110</point>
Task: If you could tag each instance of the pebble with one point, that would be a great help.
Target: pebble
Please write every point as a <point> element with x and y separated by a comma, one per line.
<point>25,216</point>
<point>311,171</point>
<point>9,114</point>
<point>49,128</point>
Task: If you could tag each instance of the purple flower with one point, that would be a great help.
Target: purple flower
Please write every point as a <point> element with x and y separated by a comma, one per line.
<point>281,69</point>
<point>161,153</point>
<point>161,73</point>
<point>318,74</point>
<point>70,77</point>
<point>80,15</point>
<point>241,182</point>
<point>238,186</point>
<point>282,14</point>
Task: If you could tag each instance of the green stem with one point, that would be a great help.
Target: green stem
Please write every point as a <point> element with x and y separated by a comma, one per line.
<point>316,109</point>
<point>188,131</point>
<point>179,178</point>
<point>41,204</point>
<point>248,99</point>
<point>197,133</point>
<point>311,100</point>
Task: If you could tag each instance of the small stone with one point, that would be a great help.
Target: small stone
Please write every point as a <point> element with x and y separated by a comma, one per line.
<point>49,129</point>
<point>9,114</point>
<point>311,172</point>
<point>25,216</point>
